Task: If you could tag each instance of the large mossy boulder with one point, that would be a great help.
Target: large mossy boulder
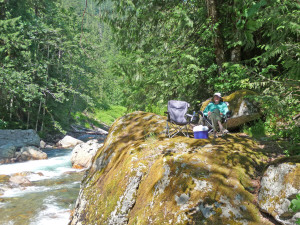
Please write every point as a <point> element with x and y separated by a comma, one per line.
<point>141,177</point>
<point>243,110</point>
<point>279,185</point>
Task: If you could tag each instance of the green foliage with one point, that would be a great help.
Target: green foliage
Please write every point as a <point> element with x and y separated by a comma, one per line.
<point>54,62</point>
<point>98,116</point>
<point>57,61</point>
<point>109,116</point>
<point>158,109</point>
<point>257,130</point>
<point>3,124</point>
<point>295,205</point>
<point>169,52</point>
<point>280,104</point>
<point>168,55</point>
<point>232,78</point>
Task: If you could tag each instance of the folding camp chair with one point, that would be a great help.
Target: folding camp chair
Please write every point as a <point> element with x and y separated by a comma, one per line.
<point>208,123</point>
<point>178,120</point>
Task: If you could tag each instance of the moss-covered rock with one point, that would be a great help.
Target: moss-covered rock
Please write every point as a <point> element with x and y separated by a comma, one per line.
<point>242,109</point>
<point>279,185</point>
<point>141,177</point>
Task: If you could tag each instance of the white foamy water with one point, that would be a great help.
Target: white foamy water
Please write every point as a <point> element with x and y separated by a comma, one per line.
<point>50,168</point>
<point>20,191</point>
<point>50,196</point>
<point>52,214</point>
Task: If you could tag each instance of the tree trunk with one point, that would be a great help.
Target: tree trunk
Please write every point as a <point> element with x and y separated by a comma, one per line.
<point>236,54</point>
<point>2,11</point>
<point>218,40</point>
<point>28,116</point>
<point>11,108</point>
<point>44,112</point>
<point>38,115</point>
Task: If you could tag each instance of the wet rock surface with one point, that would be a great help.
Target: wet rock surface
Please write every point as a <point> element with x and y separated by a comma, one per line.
<point>31,153</point>
<point>19,145</point>
<point>19,180</point>
<point>141,177</point>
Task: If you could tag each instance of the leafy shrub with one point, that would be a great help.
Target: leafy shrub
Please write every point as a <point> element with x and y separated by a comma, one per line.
<point>158,109</point>
<point>295,205</point>
<point>257,130</point>
<point>3,124</point>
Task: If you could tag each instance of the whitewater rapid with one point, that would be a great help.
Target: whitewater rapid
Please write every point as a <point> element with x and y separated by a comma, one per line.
<point>51,195</point>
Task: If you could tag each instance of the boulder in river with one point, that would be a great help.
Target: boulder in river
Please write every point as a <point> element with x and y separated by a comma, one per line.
<point>83,153</point>
<point>69,142</point>
<point>19,180</point>
<point>243,110</point>
<point>31,153</point>
<point>7,151</point>
<point>141,177</point>
<point>279,185</point>
<point>19,138</point>
<point>42,144</point>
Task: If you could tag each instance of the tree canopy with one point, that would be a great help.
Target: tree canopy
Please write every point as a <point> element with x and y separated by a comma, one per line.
<point>60,57</point>
<point>189,49</point>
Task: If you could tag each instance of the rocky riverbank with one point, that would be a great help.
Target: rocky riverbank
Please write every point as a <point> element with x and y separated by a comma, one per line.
<point>43,191</point>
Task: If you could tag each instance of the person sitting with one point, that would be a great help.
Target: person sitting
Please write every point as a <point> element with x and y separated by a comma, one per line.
<point>215,110</point>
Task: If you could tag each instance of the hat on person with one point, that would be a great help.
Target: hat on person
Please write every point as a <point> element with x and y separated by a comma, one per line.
<point>218,94</point>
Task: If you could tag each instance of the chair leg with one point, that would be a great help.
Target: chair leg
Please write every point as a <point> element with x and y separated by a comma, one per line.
<point>187,130</point>
<point>167,130</point>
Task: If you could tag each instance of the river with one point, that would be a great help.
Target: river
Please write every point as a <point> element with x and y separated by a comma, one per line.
<point>51,195</point>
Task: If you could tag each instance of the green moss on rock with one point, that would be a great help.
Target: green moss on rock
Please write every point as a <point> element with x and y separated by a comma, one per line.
<point>177,181</point>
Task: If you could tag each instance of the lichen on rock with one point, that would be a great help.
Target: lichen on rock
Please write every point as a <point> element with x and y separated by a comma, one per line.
<point>279,185</point>
<point>141,177</point>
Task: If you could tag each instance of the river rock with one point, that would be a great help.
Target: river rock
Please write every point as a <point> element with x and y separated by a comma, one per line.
<point>83,153</point>
<point>68,142</point>
<point>19,180</point>
<point>19,138</point>
<point>4,178</point>
<point>243,110</point>
<point>31,153</point>
<point>279,185</point>
<point>42,144</point>
<point>23,174</point>
<point>7,151</point>
<point>141,177</point>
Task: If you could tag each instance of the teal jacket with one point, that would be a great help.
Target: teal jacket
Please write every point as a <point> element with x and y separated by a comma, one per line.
<point>222,106</point>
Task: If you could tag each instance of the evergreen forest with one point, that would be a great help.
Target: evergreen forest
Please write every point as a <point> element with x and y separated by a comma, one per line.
<point>66,60</point>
